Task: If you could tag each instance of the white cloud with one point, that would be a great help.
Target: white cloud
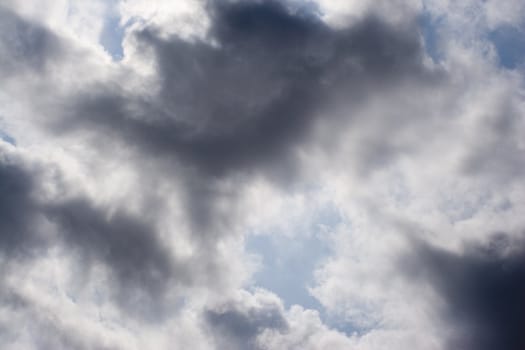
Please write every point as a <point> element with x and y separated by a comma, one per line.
<point>341,12</point>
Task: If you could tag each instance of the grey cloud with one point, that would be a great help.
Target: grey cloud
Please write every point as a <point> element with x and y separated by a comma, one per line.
<point>498,152</point>
<point>237,326</point>
<point>25,47</point>
<point>141,265</point>
<point>483,290</point>
<point>242,105</point>
<point>14,189</point>
<point>248,101</point>
<point>19,229</point>
<point>258,322</point>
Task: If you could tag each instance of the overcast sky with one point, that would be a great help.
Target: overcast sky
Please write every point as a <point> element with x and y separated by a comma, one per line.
<point>266,175</point>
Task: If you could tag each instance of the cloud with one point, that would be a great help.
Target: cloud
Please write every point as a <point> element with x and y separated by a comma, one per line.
<point>129,246</point>
<point>247,96</point>
<point>134,186</point>
<point>28,47</point>
<point>142,267</point>
<point>236,325</point>
<point>45,334</point>
<point>481,288</point>
<point>257,320</point>
<point>17,206</point>
<point>243,101</point>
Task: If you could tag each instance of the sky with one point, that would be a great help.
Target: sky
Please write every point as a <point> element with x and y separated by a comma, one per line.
<point>262,174</point>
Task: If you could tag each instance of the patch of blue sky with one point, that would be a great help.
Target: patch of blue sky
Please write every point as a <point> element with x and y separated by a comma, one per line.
<point>289,262</point>
<point>429,27</point>
<point>289,259</point>
<point>113,32</point>
<point>288,265</point>
<point>112,36</point>
<point>7,138</point>
<point>509,42</point>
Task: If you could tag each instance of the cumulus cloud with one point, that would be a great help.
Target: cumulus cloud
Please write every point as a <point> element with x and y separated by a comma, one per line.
<point>128,245</point>
<point>258,320</point>
<point>131,186</point>
<point>237,324</point>
<point>250,92</point>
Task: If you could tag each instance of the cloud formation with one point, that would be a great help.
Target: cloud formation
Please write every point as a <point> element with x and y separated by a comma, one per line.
<point>245,96</point>
<point>141,266</point>
<point>140,190</point>
<point>482,288</point>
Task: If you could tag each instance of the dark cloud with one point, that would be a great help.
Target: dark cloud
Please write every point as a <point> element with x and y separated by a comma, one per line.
<point>20,233</point>
<point>246,97</point>
<point>15,186</point>
<point>140,264</point>
<point>237,326</point>
<point>26,47</point>
<point>483,289</point>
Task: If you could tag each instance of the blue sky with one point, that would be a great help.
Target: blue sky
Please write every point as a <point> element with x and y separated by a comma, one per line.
<point>509,42</point>
<point>289,259</point>
<point>112,36</point>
